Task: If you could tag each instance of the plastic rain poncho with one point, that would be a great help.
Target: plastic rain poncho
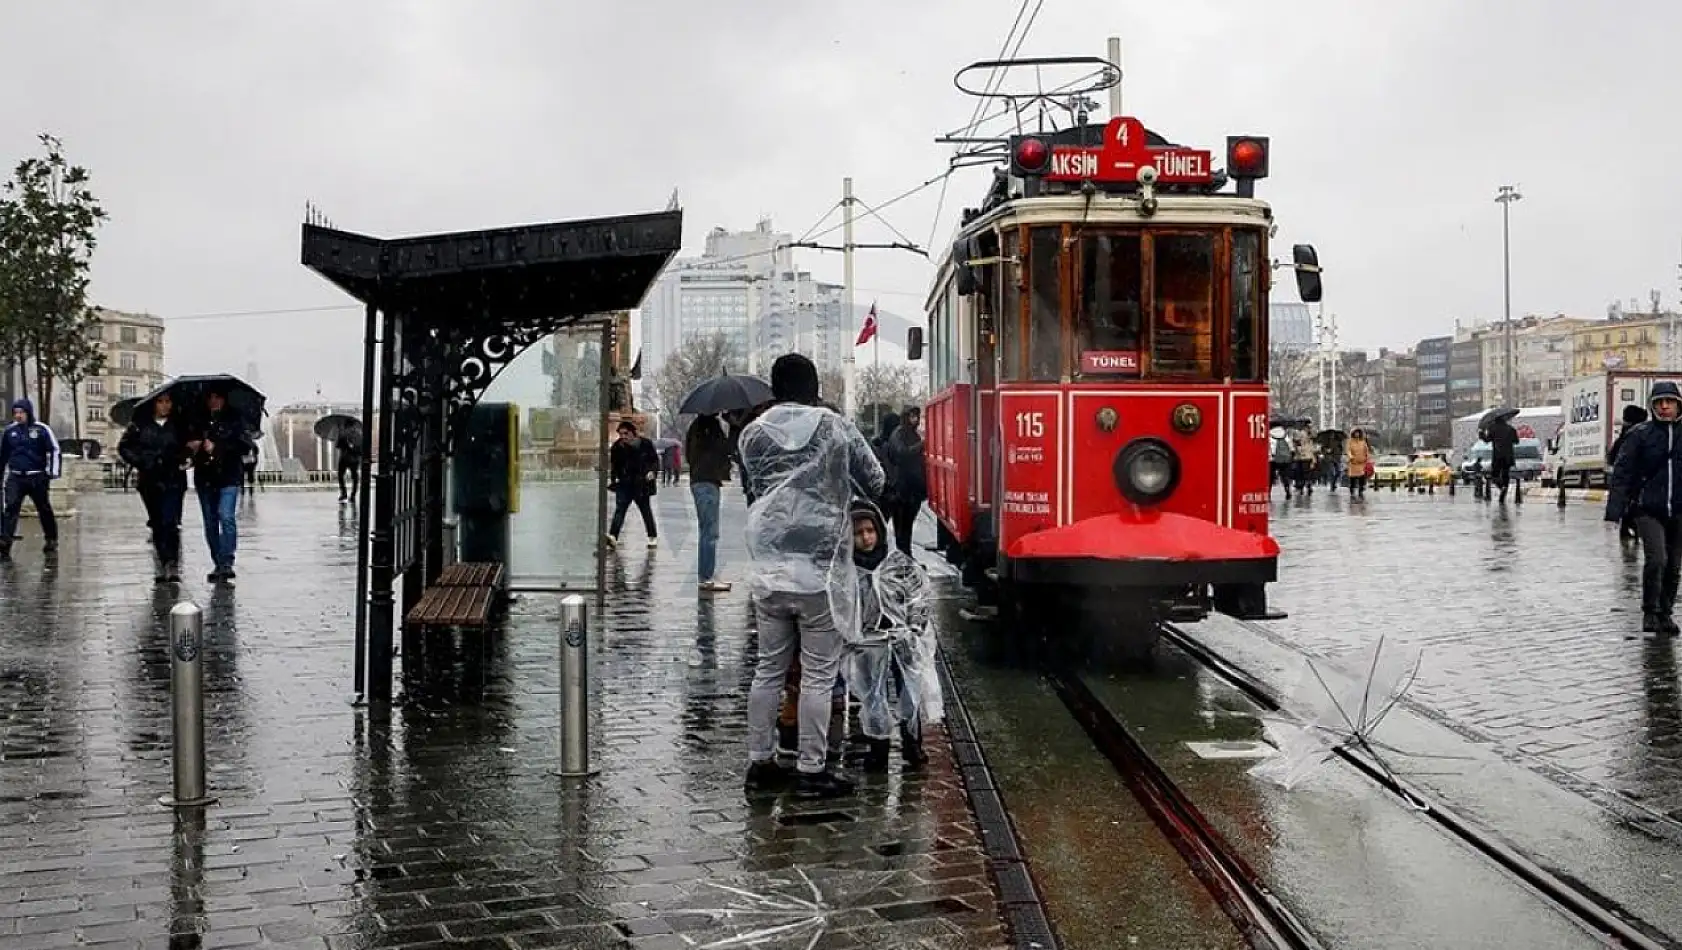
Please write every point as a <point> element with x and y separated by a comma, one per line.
<point>803,466</point>
<point>896,617</point>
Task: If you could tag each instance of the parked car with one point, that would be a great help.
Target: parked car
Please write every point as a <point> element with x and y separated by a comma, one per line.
<point>1390,470</point>
<point>1527,460</point>
<point>1428,470</point>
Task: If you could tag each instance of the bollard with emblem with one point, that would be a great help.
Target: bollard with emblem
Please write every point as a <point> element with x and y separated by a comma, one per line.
<point>575,688</point>
<point>186,692</point>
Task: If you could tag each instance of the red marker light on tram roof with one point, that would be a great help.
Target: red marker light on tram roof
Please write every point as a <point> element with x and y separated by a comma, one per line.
<point>1247,157</point>
<point>1032,154</point>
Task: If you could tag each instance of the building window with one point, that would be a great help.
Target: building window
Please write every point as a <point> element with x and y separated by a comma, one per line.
<point>129,387</point>
<point>94,387</point>
<point>96,413</point>
<point>127,361</point>
<point>128,335</point>
<point>157,338</point>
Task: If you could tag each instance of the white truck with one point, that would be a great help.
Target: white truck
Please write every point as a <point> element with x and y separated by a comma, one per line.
<point>1535,422</point>
<point>1594,410</point>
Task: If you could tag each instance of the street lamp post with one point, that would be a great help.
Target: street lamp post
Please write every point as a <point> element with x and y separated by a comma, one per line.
<point>1505,196</point>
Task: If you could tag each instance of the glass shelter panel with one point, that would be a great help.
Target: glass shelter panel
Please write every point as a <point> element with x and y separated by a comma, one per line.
<point>1183,317</point>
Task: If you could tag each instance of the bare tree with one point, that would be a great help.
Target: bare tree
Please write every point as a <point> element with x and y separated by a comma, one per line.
<point>700,358</point>
<point>1292,386</point>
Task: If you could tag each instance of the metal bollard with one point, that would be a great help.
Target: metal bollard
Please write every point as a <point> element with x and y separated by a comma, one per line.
<point>186,693</point>
<point>575,688</point>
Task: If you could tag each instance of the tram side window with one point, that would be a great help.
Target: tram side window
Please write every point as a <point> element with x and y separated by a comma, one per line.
<point>1247,276</point>
<point>1110,316</point>
<point>1183,325</point>
<point>1045,308</point>
<point>1008,319</point>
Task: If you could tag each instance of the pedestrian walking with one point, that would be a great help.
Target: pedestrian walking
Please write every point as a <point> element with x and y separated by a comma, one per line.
<point>1279,459</point>
<point>248,464</point>
<point>1303,455</point>
<point>1503,453</point>
<point>633,472</point>
<point>1633,417</point>
<point>1358,457</point>
<point>156,448</point>
<point>708,450</point>
<point>29,461</point>
<point>1646,483</point>
<point>218,452</point>
<point>348,448</point>
<point>804,463</point>
<point>892,668</point>
<point>910,487</point>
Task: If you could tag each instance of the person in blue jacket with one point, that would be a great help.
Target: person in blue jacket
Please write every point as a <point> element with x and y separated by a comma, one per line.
<point>1646,484</point>
<point>29,460</point>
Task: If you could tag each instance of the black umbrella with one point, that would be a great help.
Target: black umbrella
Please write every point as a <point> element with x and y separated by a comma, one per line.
<point>337,424</point>
<point>1496,415</point>
<point>122,411</point>
<point>1330,438</point>
<point>189,394</point>
<point>725,394</point>
<point>1288,422</point>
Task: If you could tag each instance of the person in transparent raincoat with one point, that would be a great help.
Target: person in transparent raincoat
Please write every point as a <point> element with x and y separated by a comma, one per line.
<point>891,669</point>
<point>803,464</point>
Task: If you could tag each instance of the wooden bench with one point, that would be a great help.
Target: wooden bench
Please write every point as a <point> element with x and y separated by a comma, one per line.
<point>465,595</point>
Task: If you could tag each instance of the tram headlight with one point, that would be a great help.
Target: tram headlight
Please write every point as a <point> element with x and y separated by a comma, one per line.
<point>1147,471</point>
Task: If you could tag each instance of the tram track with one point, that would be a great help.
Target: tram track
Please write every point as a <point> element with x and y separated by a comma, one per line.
<point>1240,890</point>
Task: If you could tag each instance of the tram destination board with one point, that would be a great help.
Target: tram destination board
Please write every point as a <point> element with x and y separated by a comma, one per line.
<point>1124,152</point>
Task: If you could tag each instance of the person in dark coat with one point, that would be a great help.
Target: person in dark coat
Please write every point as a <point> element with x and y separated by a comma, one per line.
<point>1646,482</point>
<point>29,461</point>
<point>156,449</point>
<point>709,452</point>
<point>633,472</point>
<point>1503,446</point>
<point>1633,416</point>
<point>904,449</point>
<point>348,447</point>
<point>218,450</point>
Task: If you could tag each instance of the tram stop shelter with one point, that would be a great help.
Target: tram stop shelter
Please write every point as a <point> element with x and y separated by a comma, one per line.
<point>444,314</point>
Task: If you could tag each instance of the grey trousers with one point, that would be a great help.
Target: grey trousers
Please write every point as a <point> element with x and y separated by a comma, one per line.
<point>788,622</point>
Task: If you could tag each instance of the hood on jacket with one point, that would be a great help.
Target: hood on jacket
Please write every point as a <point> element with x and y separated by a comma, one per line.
<point>791,425</point>
<point>868,560</point>
<point>1634,415</point>
<point>1663,389</point>
<point>29,409</point>
<point>890,422</point>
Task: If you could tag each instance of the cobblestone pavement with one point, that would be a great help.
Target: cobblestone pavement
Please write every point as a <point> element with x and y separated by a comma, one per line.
<point>1525,616</point>
<point>437,824</point>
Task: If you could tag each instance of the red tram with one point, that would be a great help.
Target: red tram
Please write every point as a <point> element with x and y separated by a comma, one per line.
<point>1097,352</point>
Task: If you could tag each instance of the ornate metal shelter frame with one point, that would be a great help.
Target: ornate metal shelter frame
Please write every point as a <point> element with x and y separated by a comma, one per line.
<point>444,314</point>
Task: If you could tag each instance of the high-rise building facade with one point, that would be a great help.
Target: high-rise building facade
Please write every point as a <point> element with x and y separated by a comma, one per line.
<point>133,344</point>
<point>1431,412</point>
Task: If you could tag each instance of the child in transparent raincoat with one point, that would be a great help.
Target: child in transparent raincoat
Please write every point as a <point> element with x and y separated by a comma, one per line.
<point>891,669</point>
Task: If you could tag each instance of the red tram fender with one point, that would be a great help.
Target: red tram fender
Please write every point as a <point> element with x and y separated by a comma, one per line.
<point>1136,547</point>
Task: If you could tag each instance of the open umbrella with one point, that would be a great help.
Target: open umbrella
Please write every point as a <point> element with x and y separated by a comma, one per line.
<point>189,393</point>
<point>337,424</point>
<point>1496,415</point>
<point>122,411</point>
<point>725,393</point>
<point>1288,422</point>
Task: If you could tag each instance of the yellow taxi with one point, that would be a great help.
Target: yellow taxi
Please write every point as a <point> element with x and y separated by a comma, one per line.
<point>1390,470</point>
<point>1429,470</point>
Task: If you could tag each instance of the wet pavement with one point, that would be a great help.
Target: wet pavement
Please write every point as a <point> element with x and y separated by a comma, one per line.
<point>438,823</point>
<point>1526,618</point>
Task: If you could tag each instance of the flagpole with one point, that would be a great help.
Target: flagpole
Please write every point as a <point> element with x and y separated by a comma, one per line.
<point>876,367</point>
<point>849,403</point>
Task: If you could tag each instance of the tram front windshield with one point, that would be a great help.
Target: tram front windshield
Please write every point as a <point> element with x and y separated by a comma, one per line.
<point>1120,334</point>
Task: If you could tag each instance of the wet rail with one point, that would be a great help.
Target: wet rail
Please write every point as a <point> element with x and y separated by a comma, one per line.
<point>1256,911</point>
<point>1592,911</point>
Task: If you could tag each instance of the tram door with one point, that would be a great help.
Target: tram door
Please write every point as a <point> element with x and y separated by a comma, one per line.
<point>984,414</point>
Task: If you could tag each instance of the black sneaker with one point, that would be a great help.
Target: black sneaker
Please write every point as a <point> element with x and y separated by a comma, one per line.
<point>788,739</point>
<point>215,576</point>
<point>911,749</point>
<point>50,546</point>
<point>1651,623</point>
<point>876,754</point>
<point>173,572</point>
<point>824,784</point>
<point>766,775</point>
<point>228,574</point>
<point>1667,625</point>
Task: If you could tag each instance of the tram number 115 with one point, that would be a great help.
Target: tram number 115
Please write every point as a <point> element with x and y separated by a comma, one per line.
<point>1030,425</point>
<point>1258,425</point>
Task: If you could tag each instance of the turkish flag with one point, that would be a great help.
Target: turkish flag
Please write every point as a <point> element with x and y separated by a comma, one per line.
<point>869,331</point>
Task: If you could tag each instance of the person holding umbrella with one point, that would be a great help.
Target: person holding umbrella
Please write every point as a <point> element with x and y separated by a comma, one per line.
<point>155,448</point>
<point>1503,446</point>
<point>218,453</point>
<point>708,449</point>
<point>348,446</point>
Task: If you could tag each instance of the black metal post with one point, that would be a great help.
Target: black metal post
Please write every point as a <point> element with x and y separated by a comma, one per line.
<point>383,555</point>
<point>370,337</point>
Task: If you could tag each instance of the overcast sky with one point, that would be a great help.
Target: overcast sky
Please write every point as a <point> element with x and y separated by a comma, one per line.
<point>207,125</point>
